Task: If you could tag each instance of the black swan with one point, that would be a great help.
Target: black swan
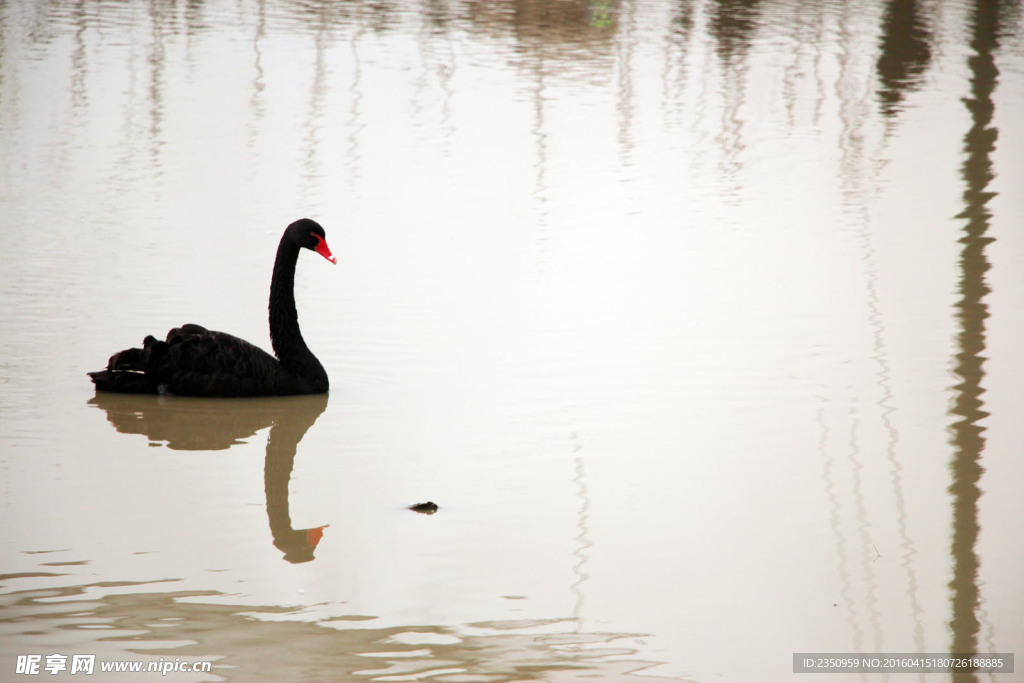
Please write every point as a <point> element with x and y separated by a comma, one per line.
<point>195,361</point>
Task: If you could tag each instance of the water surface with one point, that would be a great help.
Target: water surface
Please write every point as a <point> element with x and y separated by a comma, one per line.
<point>700,321</point>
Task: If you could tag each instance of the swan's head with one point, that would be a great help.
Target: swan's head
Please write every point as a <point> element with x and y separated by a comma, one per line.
<point>309,234</point>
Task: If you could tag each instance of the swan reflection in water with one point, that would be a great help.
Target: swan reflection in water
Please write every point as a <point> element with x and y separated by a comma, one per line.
<point>209,425</point>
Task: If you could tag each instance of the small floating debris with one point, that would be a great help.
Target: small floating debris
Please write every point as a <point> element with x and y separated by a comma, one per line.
<point>427,508</point>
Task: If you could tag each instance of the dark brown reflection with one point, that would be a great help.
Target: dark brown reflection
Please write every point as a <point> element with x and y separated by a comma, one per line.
<point>733,24</point>
<point>183,423</point>
<point>968,434</point>
<point>577,28</point>
<point>682,20</point>
<point>905,53</point>
<point>147,624</point>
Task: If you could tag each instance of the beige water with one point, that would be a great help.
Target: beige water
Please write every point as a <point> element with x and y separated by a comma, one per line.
<point>700,322</point>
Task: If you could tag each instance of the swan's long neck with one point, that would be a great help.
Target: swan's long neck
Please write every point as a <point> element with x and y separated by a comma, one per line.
<point>285,336</point>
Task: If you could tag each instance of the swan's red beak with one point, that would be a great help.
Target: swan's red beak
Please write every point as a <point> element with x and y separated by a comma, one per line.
<point>323,250</point>
<point>313,536</point>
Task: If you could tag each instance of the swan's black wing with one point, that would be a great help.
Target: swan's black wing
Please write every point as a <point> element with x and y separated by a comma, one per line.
<point>195,361</point>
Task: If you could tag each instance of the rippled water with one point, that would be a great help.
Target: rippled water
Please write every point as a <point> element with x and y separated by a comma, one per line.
<point>699,321</point>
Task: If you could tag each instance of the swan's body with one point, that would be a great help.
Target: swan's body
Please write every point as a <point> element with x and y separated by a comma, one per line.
<point>195,361</point>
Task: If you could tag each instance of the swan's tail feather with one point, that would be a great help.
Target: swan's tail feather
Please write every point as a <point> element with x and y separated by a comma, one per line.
<point>124,382</point>
<point>126,371</point>
<point>129,360</point>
